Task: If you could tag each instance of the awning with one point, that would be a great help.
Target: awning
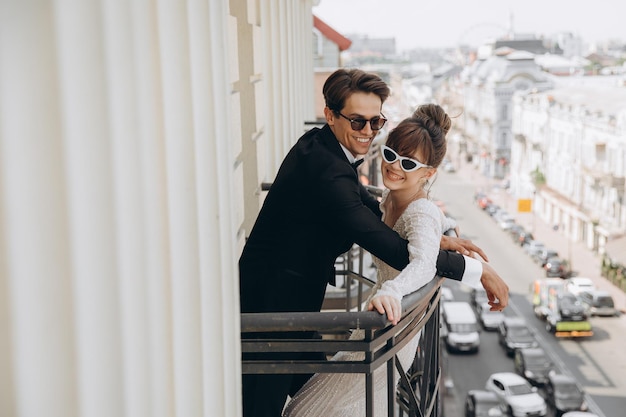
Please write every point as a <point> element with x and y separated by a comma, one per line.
<point>616,250</point>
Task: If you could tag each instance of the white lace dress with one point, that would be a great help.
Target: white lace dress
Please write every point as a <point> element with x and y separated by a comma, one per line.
<point>343,395</point>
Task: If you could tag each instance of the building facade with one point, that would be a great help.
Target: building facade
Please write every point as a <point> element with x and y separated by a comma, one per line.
<point>569,152</point>
<point>488,88</point>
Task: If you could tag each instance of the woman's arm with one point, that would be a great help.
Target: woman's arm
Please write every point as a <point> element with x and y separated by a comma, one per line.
<point>423,223</point>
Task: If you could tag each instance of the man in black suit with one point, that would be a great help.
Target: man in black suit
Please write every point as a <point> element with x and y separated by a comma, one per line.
<point>316,210</point>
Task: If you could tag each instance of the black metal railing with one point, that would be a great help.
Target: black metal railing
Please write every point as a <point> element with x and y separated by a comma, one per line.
<point>418,391</point>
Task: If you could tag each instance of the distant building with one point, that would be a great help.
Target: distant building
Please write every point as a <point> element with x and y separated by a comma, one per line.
<point>327,45</point>
<point>528,44</point>
<point>489,85</point>
<point>573,138</point>
<point>560,65</point>
<point>363,46</point>
<point>566,44</point>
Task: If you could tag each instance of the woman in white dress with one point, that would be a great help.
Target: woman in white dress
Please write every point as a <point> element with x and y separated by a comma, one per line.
<point>413,151</point>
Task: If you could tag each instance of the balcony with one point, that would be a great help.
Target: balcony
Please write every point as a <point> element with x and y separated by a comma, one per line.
<point>418,392</point>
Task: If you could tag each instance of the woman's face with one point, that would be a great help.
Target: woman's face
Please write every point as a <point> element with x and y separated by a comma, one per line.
<point>395,178</point>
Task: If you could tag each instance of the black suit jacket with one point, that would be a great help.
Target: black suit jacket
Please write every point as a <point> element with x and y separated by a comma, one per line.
<point>314,211</point>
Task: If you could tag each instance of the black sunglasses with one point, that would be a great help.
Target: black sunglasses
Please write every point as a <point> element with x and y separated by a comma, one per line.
<point>376,123</point>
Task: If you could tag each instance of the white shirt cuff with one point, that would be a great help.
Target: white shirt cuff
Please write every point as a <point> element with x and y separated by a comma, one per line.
<point>473,272</point>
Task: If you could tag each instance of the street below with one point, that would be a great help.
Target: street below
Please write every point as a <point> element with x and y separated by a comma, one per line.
<point>598,363</point>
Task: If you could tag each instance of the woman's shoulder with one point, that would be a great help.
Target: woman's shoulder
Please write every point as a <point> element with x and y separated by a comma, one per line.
<point>424,203</point>
<point>424,206</point>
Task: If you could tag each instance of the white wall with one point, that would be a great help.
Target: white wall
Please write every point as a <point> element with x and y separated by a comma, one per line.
<point>123,147</point>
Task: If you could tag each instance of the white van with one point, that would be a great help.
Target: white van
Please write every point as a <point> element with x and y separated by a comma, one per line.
<point>459,326</point>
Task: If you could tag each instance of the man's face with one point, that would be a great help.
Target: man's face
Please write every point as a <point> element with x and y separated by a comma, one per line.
<point>358,106</point>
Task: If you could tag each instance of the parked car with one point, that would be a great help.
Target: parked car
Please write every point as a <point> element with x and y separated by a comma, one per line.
<point>534,364</point>
<point>490,320</point>
<point>532,247</point>
<point>514,333</point>
<point>517,397</point>
<point>479,194</point>
<point>524,237</point>
<point>515,230</point>
<point>493,209</point>
<point>542,256</point>
<point>556,267</point>
<point>506,223</point>
<point>564,394</point>
<point>501,215</point>
<point>598,303</point>
<point>577,285</point>
<point>484,202</point>
<point>479,403</point>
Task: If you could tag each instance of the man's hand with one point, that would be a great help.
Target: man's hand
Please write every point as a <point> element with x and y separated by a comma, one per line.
<point>462,246</point>
<point>389,305</point>
<point>497,290</point>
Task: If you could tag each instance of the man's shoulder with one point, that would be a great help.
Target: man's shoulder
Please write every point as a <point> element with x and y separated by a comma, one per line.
<point>319,144</point>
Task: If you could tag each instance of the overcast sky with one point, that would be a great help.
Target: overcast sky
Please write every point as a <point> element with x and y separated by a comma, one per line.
<point>436,23</point>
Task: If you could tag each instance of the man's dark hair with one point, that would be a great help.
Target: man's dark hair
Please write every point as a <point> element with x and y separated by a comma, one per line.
<point>342,83</point>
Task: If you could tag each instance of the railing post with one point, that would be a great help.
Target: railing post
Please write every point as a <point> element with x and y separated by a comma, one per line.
<point>369,380</point>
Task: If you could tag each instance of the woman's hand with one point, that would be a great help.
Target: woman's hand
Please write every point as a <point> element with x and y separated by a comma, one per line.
<point>386,304</point>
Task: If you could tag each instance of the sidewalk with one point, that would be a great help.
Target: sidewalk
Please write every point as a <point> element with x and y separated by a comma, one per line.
<point>584,261</point>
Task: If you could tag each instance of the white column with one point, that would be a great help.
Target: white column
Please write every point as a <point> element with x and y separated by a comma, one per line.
<point>182,205</point>
<point>87,153</point>
<point>34,221</point>
<point>277,148</point>
<point>217,234</point>
<point>129,206</point>
<point>303,21</point>
<point>154,194</point>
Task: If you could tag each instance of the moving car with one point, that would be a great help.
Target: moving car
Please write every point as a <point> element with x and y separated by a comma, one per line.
<point>544,290</point>
<point>517,397</point>
<point>576,285</point>
<point>490,320</point>
<point>514,333</point>
<point>460,327</point>
<point>534,364</point>
<point>564,394</point>
<point>479,403</point>
<point>567,316</point>
<point>599,303</point>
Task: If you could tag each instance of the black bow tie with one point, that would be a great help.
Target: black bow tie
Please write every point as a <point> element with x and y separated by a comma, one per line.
<point>356,163</point>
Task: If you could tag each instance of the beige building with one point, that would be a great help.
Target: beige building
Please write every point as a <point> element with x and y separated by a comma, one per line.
<point>134,137</point>
<point>574,136</point>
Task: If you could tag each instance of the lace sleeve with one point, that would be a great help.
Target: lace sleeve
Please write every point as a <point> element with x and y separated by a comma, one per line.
<point>448,223</point>
<point>422,222</point>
